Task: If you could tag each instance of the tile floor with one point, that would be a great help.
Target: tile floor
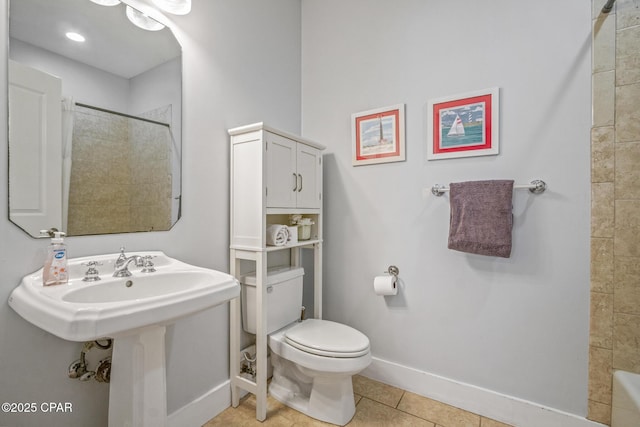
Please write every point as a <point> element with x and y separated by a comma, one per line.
<point>377,404</point>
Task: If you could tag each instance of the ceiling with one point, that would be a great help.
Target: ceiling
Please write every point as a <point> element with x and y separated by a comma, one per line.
<point>113,44</point>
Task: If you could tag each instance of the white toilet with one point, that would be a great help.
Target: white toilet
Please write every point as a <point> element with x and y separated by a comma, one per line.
<point>313,360</point>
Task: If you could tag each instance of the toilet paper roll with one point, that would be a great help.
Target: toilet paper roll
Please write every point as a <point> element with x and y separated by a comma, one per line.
<point>385,285</point>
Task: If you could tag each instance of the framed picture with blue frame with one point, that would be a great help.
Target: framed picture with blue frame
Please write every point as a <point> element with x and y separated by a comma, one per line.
<point>464,125</point>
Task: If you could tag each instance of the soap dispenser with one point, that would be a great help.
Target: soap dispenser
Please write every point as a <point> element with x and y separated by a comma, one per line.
<point>55,270</point>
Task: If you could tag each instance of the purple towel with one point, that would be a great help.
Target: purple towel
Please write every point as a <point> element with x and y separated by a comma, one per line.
<point>481,217</point>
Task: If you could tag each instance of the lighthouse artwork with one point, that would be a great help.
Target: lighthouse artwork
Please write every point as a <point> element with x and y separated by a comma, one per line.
<point>378,135</point>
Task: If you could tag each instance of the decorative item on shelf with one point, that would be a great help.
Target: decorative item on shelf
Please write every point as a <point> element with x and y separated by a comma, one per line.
<point>303,224</point>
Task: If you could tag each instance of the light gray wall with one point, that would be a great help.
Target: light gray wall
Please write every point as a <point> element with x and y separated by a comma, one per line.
<point>516,326</point>
<point>241,65</point>
<point>85,84</point>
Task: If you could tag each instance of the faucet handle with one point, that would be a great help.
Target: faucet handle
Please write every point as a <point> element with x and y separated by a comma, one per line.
<point>148,264</point>
<point>92,274</point>
<point>121,258</point>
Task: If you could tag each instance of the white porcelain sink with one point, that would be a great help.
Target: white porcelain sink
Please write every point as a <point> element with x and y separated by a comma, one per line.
<point>134,311</point>
<point>84,311</point>
<point>140,287</point>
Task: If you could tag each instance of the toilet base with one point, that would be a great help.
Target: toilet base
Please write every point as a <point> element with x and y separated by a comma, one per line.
<point>329,399</point>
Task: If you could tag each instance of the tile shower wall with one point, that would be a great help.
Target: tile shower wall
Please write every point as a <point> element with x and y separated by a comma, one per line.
<point>107,194</point>
<point>615,206</point>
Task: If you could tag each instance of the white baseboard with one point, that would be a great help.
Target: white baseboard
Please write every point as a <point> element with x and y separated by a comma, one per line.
<point>201,410</point>
<point>489,404</point>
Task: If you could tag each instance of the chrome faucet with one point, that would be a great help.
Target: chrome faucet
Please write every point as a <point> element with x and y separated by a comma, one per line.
<point>122,265</point>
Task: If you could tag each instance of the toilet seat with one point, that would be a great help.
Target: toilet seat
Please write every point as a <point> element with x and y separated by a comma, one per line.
<point>327,338</point>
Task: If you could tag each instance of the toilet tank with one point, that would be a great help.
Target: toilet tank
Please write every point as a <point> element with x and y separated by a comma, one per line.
<point>284,298</point>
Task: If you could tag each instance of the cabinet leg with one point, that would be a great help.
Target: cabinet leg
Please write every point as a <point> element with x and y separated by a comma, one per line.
<point>234,336</point>
<point>261,337</point>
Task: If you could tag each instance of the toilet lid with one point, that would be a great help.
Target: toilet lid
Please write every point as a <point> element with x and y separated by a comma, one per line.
<point>326,338</point>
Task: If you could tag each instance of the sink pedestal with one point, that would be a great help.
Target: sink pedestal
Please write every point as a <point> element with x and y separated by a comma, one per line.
<point>138,387</point>
<point>134,311</point>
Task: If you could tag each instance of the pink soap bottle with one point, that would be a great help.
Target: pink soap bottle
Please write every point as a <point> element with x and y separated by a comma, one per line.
<point>55,270</point>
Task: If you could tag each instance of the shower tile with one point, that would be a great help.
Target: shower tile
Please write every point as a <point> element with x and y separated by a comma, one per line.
<point>604,37</point>
<point>626,342</point>
<point>602,265</point>
<point>438,412</point>
<point>627,113</point>
<point>600,371</point>
<point>627,13</point>
<point>627,228</point>
<point>627,173</point>
<point>599,412</point>
<point>627,285</point>
<point>377,391</point>
<point>597,7</point>
<point>602,154</point>
<point>603,86</point>
<point>602,209</point>
<point>370,413</point>
<point>601,320</point>
<point>628,56</point>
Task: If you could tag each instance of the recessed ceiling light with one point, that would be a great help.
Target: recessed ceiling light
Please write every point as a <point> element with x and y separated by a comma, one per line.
<point>75,36</point>
<point>106,2</point>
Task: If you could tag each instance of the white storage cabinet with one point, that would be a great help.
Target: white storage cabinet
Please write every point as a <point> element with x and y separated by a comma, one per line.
<point>273,174</point>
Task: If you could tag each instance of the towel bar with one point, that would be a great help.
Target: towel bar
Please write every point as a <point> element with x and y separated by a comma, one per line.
<point>536,186</point>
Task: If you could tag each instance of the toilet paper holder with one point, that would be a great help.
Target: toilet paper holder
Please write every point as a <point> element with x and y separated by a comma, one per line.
<point>393,270</point>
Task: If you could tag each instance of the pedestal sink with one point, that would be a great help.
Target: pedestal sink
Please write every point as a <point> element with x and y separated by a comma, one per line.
<point>134,311</point>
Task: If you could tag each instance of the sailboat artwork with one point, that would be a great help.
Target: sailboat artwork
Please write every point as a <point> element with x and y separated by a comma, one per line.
<point>457,128</point>
<point>458,133</point>
<point>464,125</point>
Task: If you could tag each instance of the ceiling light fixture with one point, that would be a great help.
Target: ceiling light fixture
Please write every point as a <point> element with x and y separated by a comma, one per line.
<point>75,36</point>
<point>176,7</point>
<point>143,21</point>
<point>106,2</point>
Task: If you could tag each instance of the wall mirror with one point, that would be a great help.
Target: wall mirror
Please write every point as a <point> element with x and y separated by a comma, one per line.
<point>94,126</point>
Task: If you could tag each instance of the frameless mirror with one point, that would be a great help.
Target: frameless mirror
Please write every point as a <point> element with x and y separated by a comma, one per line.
<point>94,126</point>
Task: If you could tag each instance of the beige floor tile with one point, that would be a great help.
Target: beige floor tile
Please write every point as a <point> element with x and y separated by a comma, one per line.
<point>375,404</point>
<point>486,422</point>
<point>245,415</point>
<point>377,391</point>
<point>371,414</point>
<point>356,398</point>
<point>437,412</point>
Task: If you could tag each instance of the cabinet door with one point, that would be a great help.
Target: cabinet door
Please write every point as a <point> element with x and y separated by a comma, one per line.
<point>281,172</point>
<point>309,172</point>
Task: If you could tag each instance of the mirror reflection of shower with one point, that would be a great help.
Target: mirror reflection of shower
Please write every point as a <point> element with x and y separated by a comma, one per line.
<point>123,173</point>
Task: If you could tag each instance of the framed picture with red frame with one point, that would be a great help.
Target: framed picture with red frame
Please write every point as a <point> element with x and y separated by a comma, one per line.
<point>464,125</point>
<point>378,136</point>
